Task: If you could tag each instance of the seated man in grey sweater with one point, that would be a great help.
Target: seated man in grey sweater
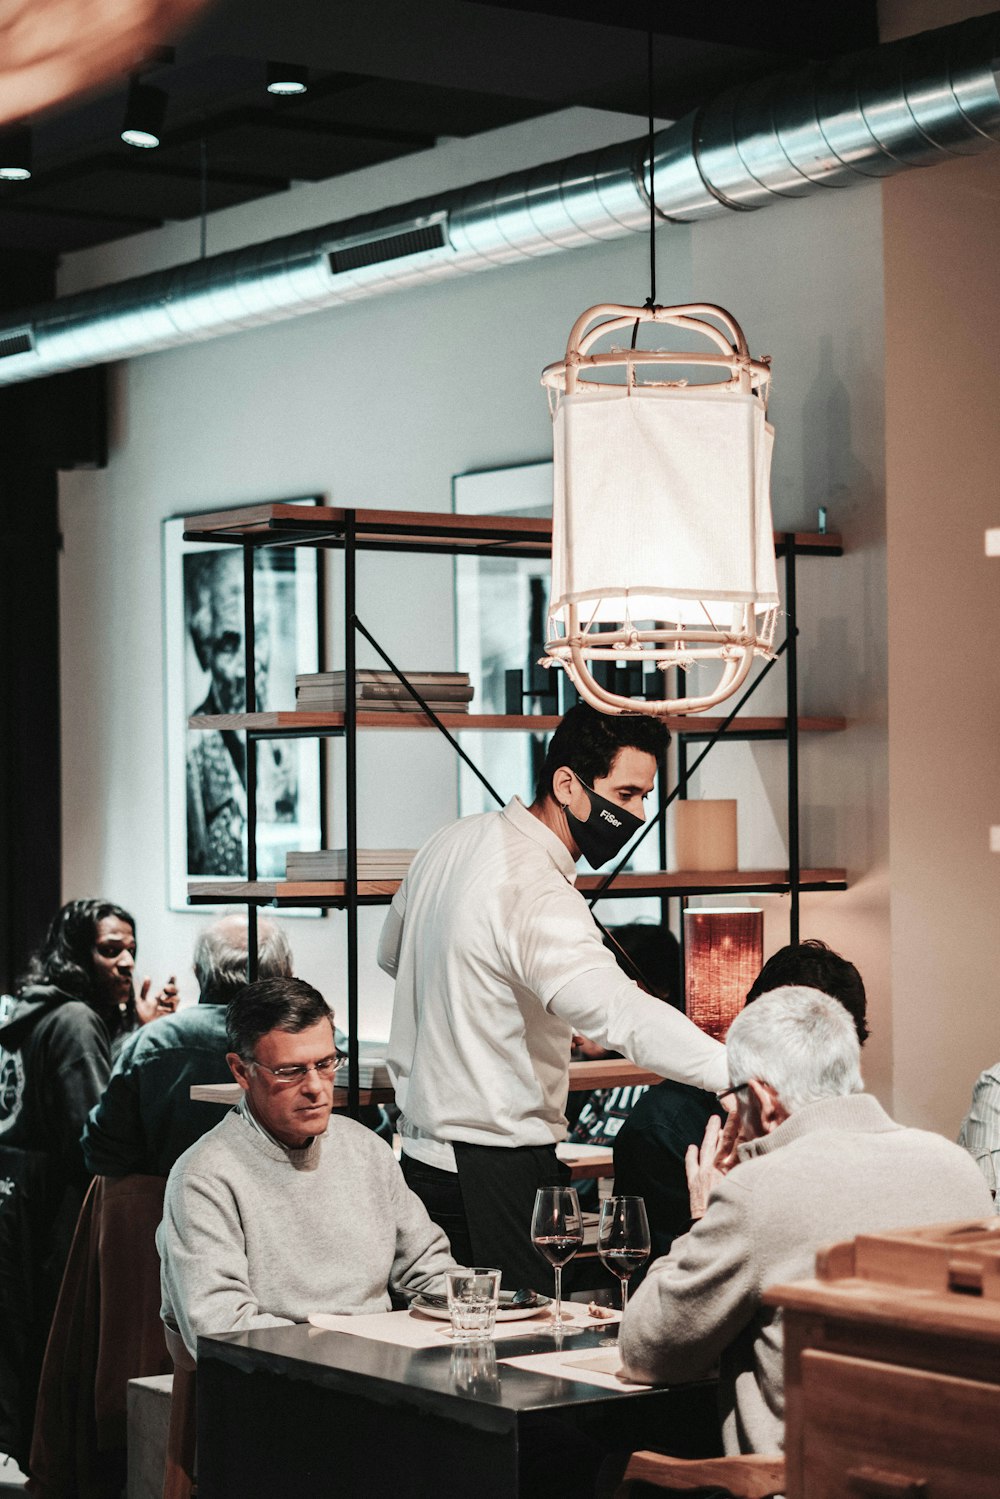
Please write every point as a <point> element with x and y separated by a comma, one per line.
<point>281,1210</point>
<point>819,1161</point>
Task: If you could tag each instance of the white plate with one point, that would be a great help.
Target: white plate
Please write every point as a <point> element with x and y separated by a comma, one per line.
<point>504,1314</point>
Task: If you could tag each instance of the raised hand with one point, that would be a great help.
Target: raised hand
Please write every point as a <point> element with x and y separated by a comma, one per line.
<point>150,1007</point>
<point>708,1163</point>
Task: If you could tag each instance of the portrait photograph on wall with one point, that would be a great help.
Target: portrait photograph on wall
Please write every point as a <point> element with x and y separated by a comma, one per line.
<point>500,608</point>
<point>207,790</point>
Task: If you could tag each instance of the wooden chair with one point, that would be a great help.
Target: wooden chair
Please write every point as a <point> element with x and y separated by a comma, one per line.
<point>751,1477</point>
<point>178,1472</point>
<point>106,1330</point>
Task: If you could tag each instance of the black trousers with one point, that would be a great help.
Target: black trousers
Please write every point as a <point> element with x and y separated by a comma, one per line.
<point>485,1207</point>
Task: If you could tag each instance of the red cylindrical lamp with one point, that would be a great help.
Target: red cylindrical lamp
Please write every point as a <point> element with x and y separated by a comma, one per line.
<point>723,953</point>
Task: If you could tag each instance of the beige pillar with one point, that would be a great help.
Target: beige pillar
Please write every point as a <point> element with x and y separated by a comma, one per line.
<point>942,383</point>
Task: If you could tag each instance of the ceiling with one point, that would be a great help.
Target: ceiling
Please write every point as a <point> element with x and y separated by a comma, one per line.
<point>388,77</point>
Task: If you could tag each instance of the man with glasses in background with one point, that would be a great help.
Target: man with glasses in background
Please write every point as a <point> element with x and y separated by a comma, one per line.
<point>317,1206</point>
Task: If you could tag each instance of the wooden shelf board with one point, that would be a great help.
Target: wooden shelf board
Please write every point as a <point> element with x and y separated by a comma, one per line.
<point>325,525</point>
<point>375,892</point>
<point>680,880</point>
<point>287,722</point>
<point>385,529</point>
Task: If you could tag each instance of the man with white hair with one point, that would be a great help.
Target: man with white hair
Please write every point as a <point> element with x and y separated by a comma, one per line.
<point>146,1117</point>
<point>818,1160</point>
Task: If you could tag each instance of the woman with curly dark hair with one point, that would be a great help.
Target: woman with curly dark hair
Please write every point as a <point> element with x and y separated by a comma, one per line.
<point>75,998</point>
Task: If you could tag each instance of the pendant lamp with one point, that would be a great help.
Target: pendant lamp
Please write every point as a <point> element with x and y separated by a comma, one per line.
<point>662,539</point>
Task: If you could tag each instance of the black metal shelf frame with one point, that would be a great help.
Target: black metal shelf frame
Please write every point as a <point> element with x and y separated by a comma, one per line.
<point>499,542</point>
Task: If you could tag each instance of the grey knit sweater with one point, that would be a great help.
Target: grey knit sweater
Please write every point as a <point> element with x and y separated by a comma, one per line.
<point>258,1235</point>
<point>834,1169</point>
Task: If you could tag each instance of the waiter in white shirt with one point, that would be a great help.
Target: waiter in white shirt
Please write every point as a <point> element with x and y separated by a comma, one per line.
<point>497,962</point>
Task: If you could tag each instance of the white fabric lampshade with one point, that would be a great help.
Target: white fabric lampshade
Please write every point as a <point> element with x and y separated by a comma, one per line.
<point>662,508</point>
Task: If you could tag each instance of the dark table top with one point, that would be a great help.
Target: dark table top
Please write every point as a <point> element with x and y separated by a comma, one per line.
<point>466,1381</point>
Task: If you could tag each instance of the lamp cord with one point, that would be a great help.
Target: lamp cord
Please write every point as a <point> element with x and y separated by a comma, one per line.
<point>652,189</point>
<point>650,301</point>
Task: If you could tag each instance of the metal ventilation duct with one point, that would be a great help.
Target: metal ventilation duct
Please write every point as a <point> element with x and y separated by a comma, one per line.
<point>911,103</point>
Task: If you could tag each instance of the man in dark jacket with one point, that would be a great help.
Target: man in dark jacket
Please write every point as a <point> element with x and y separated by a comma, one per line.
<point>146,1118</point>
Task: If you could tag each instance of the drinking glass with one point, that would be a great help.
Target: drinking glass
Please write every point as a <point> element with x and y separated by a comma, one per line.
<point>473,1296</point>
<point>557,1232</point>
<point>623,1241</point>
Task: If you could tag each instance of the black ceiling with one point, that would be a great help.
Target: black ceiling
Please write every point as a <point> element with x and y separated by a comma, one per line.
<point>388,77</point>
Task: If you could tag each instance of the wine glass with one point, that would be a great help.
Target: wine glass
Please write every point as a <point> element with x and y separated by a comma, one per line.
<point>557,1232</point>
<point>623,1241</point>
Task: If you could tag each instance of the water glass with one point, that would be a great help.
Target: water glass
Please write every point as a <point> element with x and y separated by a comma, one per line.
<point>473,1297</point>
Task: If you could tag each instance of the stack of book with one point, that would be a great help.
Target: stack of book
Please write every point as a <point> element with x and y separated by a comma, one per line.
<point>383,692</point>
<point>331,863</point>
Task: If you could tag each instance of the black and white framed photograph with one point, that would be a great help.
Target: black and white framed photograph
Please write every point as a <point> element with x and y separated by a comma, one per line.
<point>205,674</point>
<point>500,613</point>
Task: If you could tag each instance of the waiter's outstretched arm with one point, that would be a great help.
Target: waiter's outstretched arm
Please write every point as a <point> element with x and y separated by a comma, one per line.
<point>606,1007</point>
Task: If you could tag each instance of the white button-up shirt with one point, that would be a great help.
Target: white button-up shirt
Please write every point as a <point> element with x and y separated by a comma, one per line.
<point>497,962</point>
<point>980,1132</point>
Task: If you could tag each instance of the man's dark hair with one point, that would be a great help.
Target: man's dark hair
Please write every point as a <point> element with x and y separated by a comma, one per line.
<point>281,1004</point>
<point>588,741</point>
<point>815,966</point>
<point>65,959</point>
<point>655,954</point>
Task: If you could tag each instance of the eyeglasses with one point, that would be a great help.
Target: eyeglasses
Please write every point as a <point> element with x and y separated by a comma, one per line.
<point>296,1071</point>
<point>736,1088</point>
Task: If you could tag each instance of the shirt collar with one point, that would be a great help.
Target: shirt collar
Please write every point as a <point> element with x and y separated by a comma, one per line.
<point>297,1156</point>
<point>859,1113</point>
<point>532,827</point>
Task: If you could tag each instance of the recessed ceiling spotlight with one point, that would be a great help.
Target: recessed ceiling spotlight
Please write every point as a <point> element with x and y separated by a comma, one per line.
<point>15,154</point>
<point>145,111</point>
<point>286,78</point>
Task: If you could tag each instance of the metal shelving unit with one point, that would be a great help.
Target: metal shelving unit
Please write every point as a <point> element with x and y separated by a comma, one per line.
<point>351,531</point>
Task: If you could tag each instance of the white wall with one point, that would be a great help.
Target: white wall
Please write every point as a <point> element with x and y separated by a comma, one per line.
<point>380,404</point>
<point>942,457</point>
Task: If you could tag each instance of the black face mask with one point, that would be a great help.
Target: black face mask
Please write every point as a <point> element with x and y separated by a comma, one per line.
<point>605,832</point>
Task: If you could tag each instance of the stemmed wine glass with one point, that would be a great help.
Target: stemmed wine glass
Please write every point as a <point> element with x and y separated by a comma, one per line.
<point>623,1241</point>
<point>557,1232</point>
